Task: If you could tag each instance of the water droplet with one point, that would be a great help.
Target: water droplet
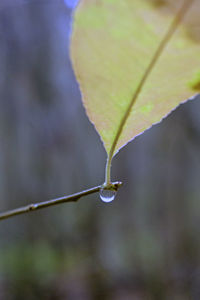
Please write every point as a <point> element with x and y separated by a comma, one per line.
<point>107,195</point>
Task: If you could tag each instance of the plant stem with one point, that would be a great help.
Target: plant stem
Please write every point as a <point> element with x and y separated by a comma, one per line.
<point>108,171</point>
<point>36,206</point>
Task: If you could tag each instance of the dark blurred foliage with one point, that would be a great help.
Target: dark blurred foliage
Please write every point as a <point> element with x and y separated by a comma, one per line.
<point>145,244</point>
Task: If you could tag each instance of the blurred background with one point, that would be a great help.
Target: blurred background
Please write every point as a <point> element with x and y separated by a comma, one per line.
<point>144,245</point>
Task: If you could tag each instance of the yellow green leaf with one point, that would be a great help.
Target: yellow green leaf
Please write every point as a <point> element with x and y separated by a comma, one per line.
<point>135,61</point>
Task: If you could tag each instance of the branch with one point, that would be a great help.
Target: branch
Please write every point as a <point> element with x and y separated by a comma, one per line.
<point>70,198</point>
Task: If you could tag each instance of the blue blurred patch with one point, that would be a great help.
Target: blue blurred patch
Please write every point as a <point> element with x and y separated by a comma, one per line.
<point>71,3</point>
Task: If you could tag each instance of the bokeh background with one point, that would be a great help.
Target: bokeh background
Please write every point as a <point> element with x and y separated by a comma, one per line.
<point>144,245</point>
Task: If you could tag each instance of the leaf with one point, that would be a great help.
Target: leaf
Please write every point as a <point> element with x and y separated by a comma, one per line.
<point>135,61</point>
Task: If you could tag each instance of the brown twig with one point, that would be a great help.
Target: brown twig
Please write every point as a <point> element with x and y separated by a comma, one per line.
<point>70,198</point>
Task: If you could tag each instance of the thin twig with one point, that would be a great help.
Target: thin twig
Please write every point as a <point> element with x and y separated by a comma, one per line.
<point>70,198</point>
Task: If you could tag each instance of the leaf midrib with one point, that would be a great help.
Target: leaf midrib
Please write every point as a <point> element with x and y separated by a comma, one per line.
<point>172,28</point>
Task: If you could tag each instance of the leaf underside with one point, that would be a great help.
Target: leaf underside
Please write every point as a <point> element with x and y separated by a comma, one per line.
<point>113,45</point>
